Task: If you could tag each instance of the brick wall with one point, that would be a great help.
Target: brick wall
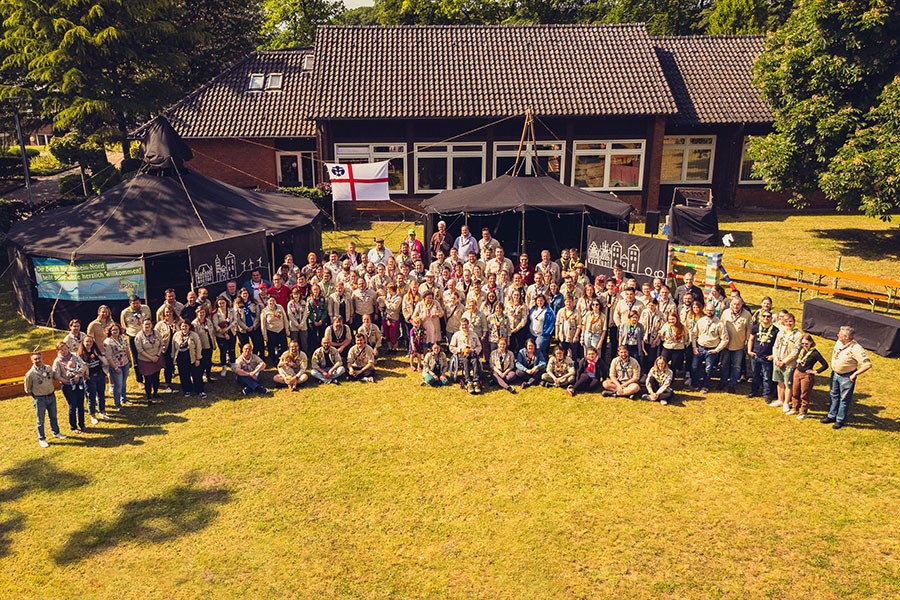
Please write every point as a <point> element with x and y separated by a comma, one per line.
<point>756,196</point>
<point>237,162</point>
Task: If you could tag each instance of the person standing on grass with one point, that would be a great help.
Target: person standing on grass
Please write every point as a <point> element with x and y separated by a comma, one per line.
<point>203,327</point>
<point>466,243</point>
<point>119,361</point>
<point>39,385</point>
<point>327,364</point>
<point>652,320</point>
<point>372,334</point>
<point>248,368</point>
<point>95,382</point>
<point>530,364</point>
<point>150,359</point>
<point>631,335</point>
<point>70,371</point>
<point>675,337</point>
<point>784,357</point>
<point>568,328</point>
<point>361,360</point>
<point>849,360</point>
<point>186,352</point>
<point>560,370</point>
<point>75,335</point>
<point>709,339</point>
<point>292,367</point>
<point>434,367</point>
<point>274,326</point>
<point>131,320</point>
<point>588,374</point>
<point>166,327</point>
<point>318,314</point>
<point>805,376</point>
<point>503,366</point>
<point>466,347</point>
<point>688,286</point>
<point>659,382</point>
<point>541,324</point>
<point>391,304</point>
<point>760,347</point>
<point>737,322</point>
<point>223,325</point>
<point>624,375</point>
<point>298,319</point>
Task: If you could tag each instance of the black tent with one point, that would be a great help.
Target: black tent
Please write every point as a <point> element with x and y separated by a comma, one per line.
<point>537,212</point>
<point>154,217</point>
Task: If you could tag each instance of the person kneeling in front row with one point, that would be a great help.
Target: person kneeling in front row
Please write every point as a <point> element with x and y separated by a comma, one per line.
<point>327,364</point>
<point>624,374</point>
<point>249,367</point>
<point>560,370</point>
<point>589,374</point>
<point>292,367</point>
<point>361,360</point>
<point>659,382</point>
<point>434,367</point>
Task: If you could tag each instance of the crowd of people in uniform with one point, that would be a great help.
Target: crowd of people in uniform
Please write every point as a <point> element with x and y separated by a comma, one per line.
<point>463,313</point>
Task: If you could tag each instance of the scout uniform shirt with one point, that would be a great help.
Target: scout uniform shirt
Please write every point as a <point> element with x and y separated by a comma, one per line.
<point>711,333</point>
<point>502,363</point>
<point>738,326</point>
<point>39,381</point>
<point>323,361</point>
<point>358,359</point>
<point>291,365</point>
<point>132,321</point>
<point>248,365</point>
<point>787,345</point>
<point>846,358</point>
<point>623,371</point>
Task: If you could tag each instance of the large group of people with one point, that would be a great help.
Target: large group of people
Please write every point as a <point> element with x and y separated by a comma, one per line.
<point>463,313</point>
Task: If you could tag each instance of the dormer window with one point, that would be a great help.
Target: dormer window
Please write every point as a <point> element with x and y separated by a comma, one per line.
<point>273,81</point>
<point>257,80</point>
<point>308,62</point>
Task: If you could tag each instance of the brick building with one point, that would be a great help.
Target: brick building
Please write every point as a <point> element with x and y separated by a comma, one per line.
<point>616,110</point>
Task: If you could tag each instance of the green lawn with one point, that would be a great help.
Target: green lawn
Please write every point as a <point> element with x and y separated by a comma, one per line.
<point>392,490</point>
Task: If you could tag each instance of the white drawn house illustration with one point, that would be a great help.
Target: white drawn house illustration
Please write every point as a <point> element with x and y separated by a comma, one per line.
<point>615,253</point>
<point>633,260</point>
<point>203,275</point>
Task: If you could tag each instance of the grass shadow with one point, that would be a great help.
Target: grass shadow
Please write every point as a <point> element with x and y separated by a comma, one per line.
<point>39,474</point>
<point>181,510</point>
<point>16,522</point>
<point>864,243</point>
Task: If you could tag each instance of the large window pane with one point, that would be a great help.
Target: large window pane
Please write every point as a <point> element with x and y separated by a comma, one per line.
<point>672,161</point>
<point>395,174</point>
<point>466,171</point>
<point>698,165</point>
<point>624,170</point>
<point>504,164</point>
<point>589,171</point>
<point>432,173</point>
<point>549,165</point>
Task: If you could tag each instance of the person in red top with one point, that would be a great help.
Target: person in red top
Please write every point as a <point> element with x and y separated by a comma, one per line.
<point>525,270</point>
<point>279,291</point>
<point>303,286</point>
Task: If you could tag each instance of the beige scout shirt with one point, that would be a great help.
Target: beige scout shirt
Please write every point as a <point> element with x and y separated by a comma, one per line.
<point>132,321</point>
<point>39,381</point>
<point>622,371</point>
<point>711,333</point>
<point>847,358</point>
<point>787,346</point>
<point>738,326</point>
<point>247,365</point>
<point>359,358</point>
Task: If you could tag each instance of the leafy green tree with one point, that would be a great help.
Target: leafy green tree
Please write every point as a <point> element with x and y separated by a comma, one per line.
<point>738,17</point>
<point>663,17</point>
<point>292,23</point>
<point>830,74</point>
<point>74,149</point>
<point>361,15</point>
<point>441,12</point>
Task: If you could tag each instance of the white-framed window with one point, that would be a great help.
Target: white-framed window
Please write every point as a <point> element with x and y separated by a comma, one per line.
<point>609,164</point>
<point>274,80</point>
<point>370,153</point>
<point>449,166</point>
<point>257,81</point>
<point>307,63</point>
<point>43,139</point>
<point>296,168</point>
<point>746,176</point>
<point>688,158</point>
<point>542,158</point>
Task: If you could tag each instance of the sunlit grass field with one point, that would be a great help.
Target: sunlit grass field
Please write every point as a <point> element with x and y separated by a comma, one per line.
<point>392,490</point>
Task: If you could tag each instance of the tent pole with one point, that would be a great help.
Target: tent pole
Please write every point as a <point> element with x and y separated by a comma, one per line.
<point>272,265</point>
<point>552,233</point>
<point>581,243</point>
<point>521,141</point>
<point>522,240</point>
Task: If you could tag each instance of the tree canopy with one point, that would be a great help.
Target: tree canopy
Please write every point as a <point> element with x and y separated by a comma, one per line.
<point>830,75</point>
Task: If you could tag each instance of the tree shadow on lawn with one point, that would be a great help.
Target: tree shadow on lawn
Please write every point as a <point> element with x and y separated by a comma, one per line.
<point>35,474</point>
<point>864,243</point>
<point>181,510</point>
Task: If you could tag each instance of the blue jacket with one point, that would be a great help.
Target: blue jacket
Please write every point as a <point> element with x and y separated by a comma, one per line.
<point>556,302</point>
<point>549,321</point>
<point>523,363</point>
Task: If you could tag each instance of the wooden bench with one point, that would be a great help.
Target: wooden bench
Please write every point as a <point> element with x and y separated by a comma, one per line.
<point>801,286</point>
<point>13,369</point>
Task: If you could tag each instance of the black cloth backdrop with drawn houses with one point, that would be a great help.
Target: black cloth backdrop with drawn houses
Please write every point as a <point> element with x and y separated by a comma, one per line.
<point>213,264</point>
<point>642,257</point>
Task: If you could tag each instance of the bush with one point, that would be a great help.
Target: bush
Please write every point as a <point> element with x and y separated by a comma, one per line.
<point>30,151</point>
<point>46,164</point>
<point>106,178</point>
<point>70,186</point>
<point>320,195</point>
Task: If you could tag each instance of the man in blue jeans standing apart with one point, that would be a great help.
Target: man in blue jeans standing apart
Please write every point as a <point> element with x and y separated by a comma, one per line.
<point>39,385</point>
<point>848,361</point>
<point>711,338</point>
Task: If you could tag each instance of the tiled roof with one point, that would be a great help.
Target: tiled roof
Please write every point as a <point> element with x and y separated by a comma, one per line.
<point>711,77</point>
<point>486,71</point>
<point>225,107</point>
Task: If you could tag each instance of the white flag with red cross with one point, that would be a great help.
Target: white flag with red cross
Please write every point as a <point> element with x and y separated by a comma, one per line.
<point>360,181</point>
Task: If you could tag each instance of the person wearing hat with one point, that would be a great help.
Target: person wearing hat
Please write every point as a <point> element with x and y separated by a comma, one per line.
<point>379,255</point>
<point>440,240</point>
<point>412,243</point>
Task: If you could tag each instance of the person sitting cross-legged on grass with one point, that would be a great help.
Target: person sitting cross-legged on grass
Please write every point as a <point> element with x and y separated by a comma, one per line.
<point>434,367</point>
<point>327,364</point>
<point>659,382</point>
<point>361,360</point>
<point>466,346</point>
<point>530,364</point>
<point>624,375</point>
<point>292,367</point>
<point>589,374</point>
<point>503,366</point>
<point>248,368</point>
<point>560,370</point>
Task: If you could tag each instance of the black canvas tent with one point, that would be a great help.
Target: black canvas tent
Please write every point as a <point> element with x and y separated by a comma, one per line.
<point>527,213</point>
<point>155,216</point>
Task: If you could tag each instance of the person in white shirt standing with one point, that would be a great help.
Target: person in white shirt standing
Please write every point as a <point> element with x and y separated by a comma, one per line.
<point>849,360</point>
<point>465,243</point>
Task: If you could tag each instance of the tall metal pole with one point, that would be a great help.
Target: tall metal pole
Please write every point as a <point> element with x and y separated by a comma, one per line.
<point>24,155</point>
